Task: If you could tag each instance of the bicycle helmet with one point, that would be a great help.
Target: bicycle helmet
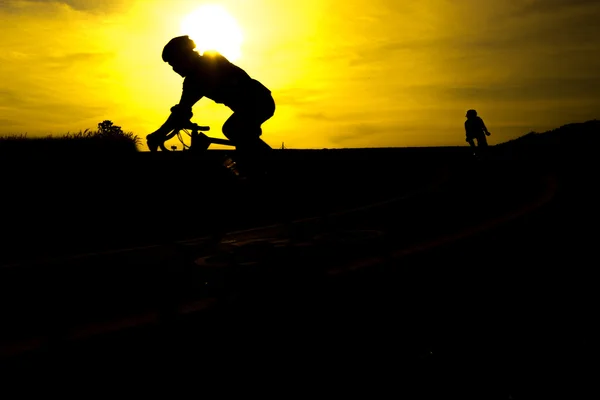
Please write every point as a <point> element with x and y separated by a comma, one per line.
<point>471,114</point>
<point>176,47</point>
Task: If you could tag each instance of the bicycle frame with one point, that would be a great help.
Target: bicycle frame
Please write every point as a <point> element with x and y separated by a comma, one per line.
<point>199,141</point>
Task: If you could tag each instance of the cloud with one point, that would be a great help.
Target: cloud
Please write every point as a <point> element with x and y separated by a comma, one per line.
<point>79,61</point>
<point>550,6</point>
<point>383,134</point>
<point>317,116</point>
<point>532,89</point>
<point>8,123</point>
<point>296,96</point>
<point>332,116</point>
<point>104,6</point>
<point>8,96</point>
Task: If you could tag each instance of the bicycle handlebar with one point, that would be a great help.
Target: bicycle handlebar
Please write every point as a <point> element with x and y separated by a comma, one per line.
<point>188,125</point>
<point>198,127</point>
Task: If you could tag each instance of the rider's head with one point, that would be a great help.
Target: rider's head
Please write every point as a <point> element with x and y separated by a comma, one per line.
<point>471,114</point>
<point>179,53</point>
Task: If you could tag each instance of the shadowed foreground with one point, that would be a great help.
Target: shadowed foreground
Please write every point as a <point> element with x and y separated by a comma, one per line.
<point>478,277</point>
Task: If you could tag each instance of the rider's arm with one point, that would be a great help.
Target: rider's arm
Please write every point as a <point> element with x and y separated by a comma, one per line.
<point>181,113</point>
<point>483,126</point>
<point>176,120</point>
<point>192,92</point>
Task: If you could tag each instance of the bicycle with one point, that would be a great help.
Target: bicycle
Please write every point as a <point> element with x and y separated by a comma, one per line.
<point>198,141</point>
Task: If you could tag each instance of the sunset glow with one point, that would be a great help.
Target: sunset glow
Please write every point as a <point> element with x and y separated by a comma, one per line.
<point>212,27</point>
<point>343,73</point>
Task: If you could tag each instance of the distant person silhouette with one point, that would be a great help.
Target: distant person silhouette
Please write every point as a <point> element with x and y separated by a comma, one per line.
<point>212,76</point>
<point>476,130</point>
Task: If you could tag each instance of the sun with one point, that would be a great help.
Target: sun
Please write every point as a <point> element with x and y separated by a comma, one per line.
<point>212,27</point>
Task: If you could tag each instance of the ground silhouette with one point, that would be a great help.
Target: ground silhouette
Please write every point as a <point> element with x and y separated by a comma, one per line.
<point>129,197</point>
<point>569,142</point>
<point>107,140</point>
<point>489,308</point>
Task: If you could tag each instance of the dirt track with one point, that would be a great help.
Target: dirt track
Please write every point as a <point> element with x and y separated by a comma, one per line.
<point>500,274</point>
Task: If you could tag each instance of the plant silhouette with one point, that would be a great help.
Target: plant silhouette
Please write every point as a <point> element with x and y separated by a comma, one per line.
<point>107,127</point>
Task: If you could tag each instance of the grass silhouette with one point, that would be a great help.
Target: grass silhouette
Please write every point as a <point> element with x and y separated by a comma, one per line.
<point>108,138</point>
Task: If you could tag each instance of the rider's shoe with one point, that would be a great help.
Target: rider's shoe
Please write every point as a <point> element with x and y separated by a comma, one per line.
<point>152,142</point>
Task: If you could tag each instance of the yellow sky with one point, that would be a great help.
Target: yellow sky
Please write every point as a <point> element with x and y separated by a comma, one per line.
<point>344,73</point>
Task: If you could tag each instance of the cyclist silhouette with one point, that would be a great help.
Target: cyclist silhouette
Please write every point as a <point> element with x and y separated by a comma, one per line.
<point>212,76</point>
<point>476,130</point>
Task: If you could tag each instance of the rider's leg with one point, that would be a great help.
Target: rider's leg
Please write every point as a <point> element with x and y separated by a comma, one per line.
<point>482,145</point>
<point>244,131</point>
<point>245,125</point>
<point>482,141</point>
<point>472,144</point>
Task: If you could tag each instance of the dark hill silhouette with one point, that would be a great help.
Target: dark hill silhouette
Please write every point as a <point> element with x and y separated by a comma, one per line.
<point>568,142</point>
